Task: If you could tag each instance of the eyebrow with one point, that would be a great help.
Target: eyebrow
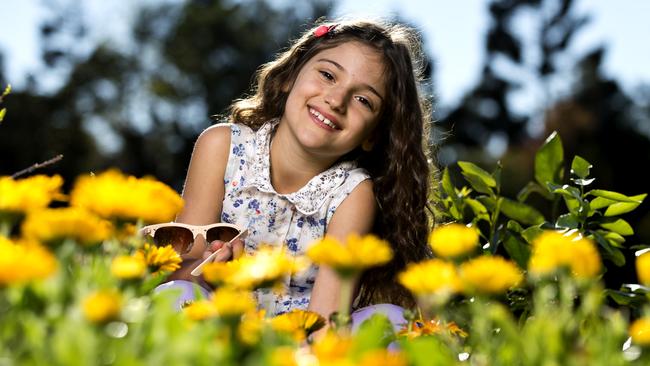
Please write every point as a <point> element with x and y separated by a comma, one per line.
<point>338,66</point>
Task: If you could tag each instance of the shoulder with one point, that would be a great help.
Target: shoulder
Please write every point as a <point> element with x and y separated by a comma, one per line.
<point>356,213</point>
<point>216,135</point>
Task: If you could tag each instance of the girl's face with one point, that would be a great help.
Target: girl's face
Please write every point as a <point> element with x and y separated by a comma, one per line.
<point>336,100</point>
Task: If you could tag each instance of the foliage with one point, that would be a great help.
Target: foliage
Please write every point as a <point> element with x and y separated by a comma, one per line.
<point>511,225</point>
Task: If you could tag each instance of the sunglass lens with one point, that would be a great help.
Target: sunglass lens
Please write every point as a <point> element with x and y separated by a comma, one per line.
<point>179,238</point>
<point>221,233</point>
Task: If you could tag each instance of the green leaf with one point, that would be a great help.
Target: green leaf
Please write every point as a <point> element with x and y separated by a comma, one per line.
<point>374,333</point>
<point>473,169</point>
<point>568,221</point>
<point>549,161</point>
<point>572,204</point>
<point>514,226</point>
<point>427,351</point>
<point>489,202</point>
<point>583,182</point>
<point>517,249</point>
<point>614,239</point>
<point>619,226</point>
<point>533,187</point>
<point>600,202</point>
<point>580,167</point>
<point>613,196</point>
<point>477,183</point>
<point>620,208</point>
<point>531,233</point>
<point>610,253</point>
<point>479,210</point>
<point>521,212</point>
<point>6,92</point>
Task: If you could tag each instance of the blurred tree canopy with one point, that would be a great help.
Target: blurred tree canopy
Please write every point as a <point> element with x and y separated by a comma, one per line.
<point>140,105</point>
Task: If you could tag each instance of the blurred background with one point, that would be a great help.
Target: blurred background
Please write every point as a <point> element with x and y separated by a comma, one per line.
<point>131,84</point>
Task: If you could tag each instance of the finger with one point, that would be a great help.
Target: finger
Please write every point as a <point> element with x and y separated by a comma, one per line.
<point>237,248</point>
<point>215,245</point>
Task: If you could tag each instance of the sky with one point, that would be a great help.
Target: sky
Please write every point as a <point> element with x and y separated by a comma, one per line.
<point>453,32</point>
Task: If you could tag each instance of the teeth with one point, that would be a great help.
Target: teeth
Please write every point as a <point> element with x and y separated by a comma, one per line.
<point>322,118</point>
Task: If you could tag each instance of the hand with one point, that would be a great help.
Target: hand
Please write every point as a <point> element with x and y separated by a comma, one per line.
<point>226,252</point>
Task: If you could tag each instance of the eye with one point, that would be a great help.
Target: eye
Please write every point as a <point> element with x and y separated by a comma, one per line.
<point>364,101</point>
<point>326,75</point>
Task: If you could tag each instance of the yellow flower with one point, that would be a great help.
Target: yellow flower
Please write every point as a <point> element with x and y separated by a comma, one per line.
<point>53,225</point>
<point>553,250</point>
<point>332,348</point>
<point>353,256</point>
<point>453,240</point>
<point>128,267</point>
<point>263,269</point>
<point>250,327</point>
<point>383,357</point>
<point>23,195</point>
<point>24,262</point>
<point>159,259</point>
<point>298,323</point>
<point>643,268</point>
<point>284,356</point>
<point>232,303</point>
<point>428,327</point>
<point>200,310</point>
<point>640,331</point>
<point>490,274</point>
<point>102,306</point>
<point>431,277</point>
<point>126,198</point>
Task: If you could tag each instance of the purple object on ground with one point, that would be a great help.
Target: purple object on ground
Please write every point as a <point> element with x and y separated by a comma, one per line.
<point>187,291</point>
<point>394,313</point>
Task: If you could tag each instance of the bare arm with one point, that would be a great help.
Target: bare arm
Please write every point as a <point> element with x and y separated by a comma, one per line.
<point>204,190</point>
<point>354,215</point>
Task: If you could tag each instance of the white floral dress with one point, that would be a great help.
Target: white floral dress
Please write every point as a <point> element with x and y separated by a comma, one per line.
<point>291,220</point>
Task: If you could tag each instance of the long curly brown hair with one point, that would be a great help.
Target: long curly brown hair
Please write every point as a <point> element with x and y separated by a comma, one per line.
<point>398,161</point>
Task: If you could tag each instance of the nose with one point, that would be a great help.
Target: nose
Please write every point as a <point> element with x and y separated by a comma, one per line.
<point>336,98</point>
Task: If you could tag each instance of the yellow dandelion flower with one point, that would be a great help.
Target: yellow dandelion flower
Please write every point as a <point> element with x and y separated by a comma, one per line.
<point>102,306</point>
<point>431,277</point>
<point>553,250</point>
<point>353,256</point>
<point>490,274</point>
<point>200,310</point>
<point>453,240</point>
<point>159,259</point>
<point>250,327</point>
<point>284,356</point>
<point>128,267</point>
<point>24,262</point>
<point>332,348</point>
<point>126,198</point>
<point>53,225</point>
<point>232,303</point>
<point>383,357</point>
<point>263,269</point>
<point>640,331</point>
<point>643,268</point>
<point>298,323</point>
<point>23,195</point>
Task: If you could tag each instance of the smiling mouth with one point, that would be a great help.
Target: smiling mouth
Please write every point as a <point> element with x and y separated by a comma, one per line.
<point>323,119</point>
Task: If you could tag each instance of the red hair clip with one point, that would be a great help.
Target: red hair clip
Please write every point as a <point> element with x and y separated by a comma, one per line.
<point>323,30</point>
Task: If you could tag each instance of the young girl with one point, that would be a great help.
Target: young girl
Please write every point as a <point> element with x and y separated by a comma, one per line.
<point>330,142</point>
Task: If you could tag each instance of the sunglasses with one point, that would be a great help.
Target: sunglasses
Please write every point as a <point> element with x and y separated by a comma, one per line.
<point>182,236</point>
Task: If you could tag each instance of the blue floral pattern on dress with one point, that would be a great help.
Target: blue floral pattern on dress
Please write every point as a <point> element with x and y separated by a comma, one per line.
<point>292,221</point>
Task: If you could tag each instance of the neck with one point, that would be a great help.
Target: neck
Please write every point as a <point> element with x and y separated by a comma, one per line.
<point>291,166</point>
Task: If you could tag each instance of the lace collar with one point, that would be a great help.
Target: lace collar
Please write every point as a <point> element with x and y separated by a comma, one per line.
<point>310,197</point>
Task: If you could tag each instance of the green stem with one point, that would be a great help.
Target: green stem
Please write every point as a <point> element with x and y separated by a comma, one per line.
<point>344,302</point>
